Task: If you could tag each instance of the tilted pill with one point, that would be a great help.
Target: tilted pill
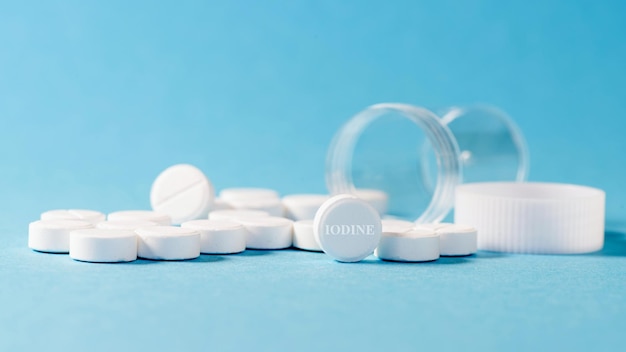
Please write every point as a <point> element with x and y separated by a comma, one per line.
<point>268,232</point>
<point>183,192</point>
<point>91,216</point>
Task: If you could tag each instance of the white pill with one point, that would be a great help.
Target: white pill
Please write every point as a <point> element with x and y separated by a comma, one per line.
<point>376,198</point>
<point>124,224</point>
<point>303,206</point>
<point>144,215</point>
<point>347,228</point>
<point>220,204</point>
<point>183,192</point>
<point>219,236</point>
<point>397,226</point>
<point>167,243</point>
<point>237,214</point>
<point>412,246</point>
<point>268,232</point>
<point>91,216</point>
<point>303,236</point>
<point>230,194</point>
<point>103,246</point>
<point>432,226</point>
<point>273,206</point>
<point>457,240</point>
<point>53,236</point>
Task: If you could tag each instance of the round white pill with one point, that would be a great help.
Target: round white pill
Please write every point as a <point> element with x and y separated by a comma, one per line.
<point>230,194</point>
<point>144,215</point>
<point>412,246</point>
<point>183,192</point>
<point>303,236</point>
<point>397,226</point>
<point>303,206</point>
<point>103,246</point>
<point>53,236</point>
<point>220,204</point>
<point>167,243</point>
<point>219,236</point>
<point>273,206</point>
<point>91,216</point>
<point>432,226</point>
<point>237,214</point>
<point>347,228</point>
<point>268,232</point>
<point>376,198</point>
<point>124,224</point>
<point>457,240</point>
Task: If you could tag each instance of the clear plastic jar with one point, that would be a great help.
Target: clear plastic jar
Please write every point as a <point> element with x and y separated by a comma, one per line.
<point>418,158</point>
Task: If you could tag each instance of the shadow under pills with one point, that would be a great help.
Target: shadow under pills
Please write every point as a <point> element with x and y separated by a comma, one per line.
<point>614,244</point>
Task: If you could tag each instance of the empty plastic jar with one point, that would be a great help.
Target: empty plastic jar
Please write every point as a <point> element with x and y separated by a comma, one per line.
<point>418,158</point>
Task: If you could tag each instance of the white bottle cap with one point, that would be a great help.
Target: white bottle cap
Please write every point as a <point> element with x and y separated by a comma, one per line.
<point>546,218</point>
<point>347,228</point>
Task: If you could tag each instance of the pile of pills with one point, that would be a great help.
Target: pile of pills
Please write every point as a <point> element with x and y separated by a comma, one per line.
<point>188,219</point>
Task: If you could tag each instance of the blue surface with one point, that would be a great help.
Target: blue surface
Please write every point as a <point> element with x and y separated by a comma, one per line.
<point>97,97</point>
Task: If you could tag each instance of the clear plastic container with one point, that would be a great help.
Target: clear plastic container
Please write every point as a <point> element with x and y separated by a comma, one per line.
<point>418,158</point>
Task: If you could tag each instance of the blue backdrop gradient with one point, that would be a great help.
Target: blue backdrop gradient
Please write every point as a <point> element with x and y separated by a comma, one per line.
<point>96,98</point>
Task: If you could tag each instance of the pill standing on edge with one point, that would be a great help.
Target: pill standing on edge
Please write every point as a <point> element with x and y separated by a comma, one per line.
<point>103,246</point>
<point>303,206</point>
<point>219,236</point>
<point>268,232</point>
<point>167,243</point>
<point>183,192</point>
<point>303,236</point>
<point>147,215</point>
<point>91,216</point>
<point>273,206</point>
<point>53,236</point>
<point>230,194</point>
<point>236,214</point>
<point>419,245</point>
<point>347,228</point>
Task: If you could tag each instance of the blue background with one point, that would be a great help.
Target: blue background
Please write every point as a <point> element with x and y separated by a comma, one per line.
<point>97,97</point>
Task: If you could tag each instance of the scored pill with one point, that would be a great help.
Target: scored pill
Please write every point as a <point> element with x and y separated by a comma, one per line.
<point>268,232</point>
<point>91,216</point>
<point>167,243</point>
<point>144,215</point>
<point>183,192</point>
<point>418,245</point>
